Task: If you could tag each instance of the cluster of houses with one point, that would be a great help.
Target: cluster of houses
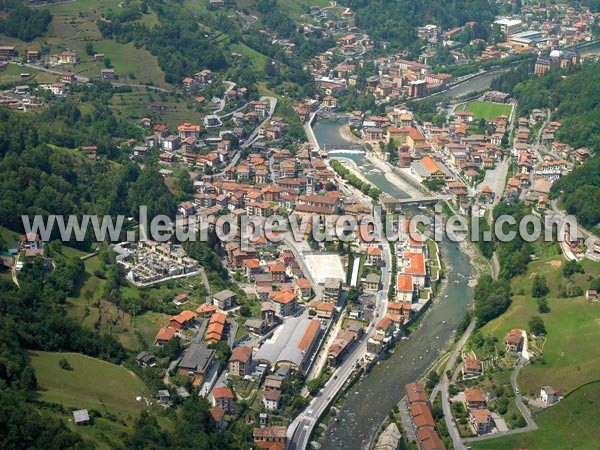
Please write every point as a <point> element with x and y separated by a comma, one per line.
<point>412,277</point>
<point>466,152</point>
<point>480,417</point>
<point>419,411</point>
<point>536,29</point>
<point>535,177</point>
<point>546,27</point>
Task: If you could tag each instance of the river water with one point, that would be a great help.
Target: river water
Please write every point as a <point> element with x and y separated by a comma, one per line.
<point>374,396</point>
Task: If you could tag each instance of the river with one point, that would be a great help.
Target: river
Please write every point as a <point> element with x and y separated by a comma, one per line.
<point>374,396</point>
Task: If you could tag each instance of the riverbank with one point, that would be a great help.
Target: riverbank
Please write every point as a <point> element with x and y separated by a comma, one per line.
<point>346,133</point>
<point>352,167</point>
<point>394,177</point>
<point>367,404</point>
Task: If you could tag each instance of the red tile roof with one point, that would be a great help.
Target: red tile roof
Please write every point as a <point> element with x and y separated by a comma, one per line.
<point>404,283</point>
<point>222,392</point>
<point>242,353</point>
<point>165,334</point>
<point>309,335</point>
<point>416,264</point>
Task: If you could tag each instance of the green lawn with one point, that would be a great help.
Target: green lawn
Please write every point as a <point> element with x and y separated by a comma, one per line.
<point>571,356</point>
<point>487,110</point>
<point>108,392</point>
<point>571,424</point>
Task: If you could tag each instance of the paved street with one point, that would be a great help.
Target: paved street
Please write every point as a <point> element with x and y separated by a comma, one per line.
<point>444,384</point>
<point>531,425</point>
<point>300,430</point>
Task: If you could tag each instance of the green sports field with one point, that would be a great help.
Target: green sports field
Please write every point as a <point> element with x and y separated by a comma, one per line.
<point>486,110</point>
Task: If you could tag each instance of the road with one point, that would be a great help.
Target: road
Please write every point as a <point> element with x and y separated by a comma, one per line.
<point>82,79</point>
<point>531,425</point>
<point>299,256</point>
<point>444,384</point>
<point>496,179</point>
<point>223,102</point>
<point>589,237</point>
<point>252,137</point>
<point>300,430</point>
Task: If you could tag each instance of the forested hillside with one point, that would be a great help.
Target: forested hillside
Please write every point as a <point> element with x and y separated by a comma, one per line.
<point>44,172</point>
<point>574,99</point>
<point>23,22</point>
<point>396,20</point>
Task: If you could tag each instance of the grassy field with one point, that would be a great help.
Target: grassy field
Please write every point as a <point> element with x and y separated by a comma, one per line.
<point>96,385</point>
<point>571,356</point>
<point>92,384</point>
<point>134,106</point>
<point>571,424</point>
<point>12,74</point>
<point>74,24</point>
<point>486,110</point>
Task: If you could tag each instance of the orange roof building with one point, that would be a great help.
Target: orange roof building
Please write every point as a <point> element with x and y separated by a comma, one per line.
<point>164,335</point>
<point>415,393</point>
<point>182,320</point>
<point>206,309</point>
<point>414,264</point>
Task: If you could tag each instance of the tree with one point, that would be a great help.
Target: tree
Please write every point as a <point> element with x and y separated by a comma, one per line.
<point>89,49</point>
<point>28,379</point>
<point>571,267</point>
<point>146,433</point>
<point>543,305</point>
<point>433,378</point>
<point>107,62</point>
<point>64,364</point>
<point>25,23</point>
<point>539,288</point>
<point>353,294</point>
<point>536,326</point>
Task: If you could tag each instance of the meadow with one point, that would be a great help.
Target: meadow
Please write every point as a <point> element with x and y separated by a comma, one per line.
<point>74,25</point>
<point>571,356</point>
<point>570,424</point>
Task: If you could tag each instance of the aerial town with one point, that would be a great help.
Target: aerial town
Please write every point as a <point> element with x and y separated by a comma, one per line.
<point>289,341</point>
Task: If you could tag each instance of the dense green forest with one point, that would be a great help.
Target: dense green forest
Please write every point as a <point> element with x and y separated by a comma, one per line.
<point>42,172</point>
<point>493,297</point>
<point>23,22</point>
<point>574,98</point>
<point>395,21</point>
